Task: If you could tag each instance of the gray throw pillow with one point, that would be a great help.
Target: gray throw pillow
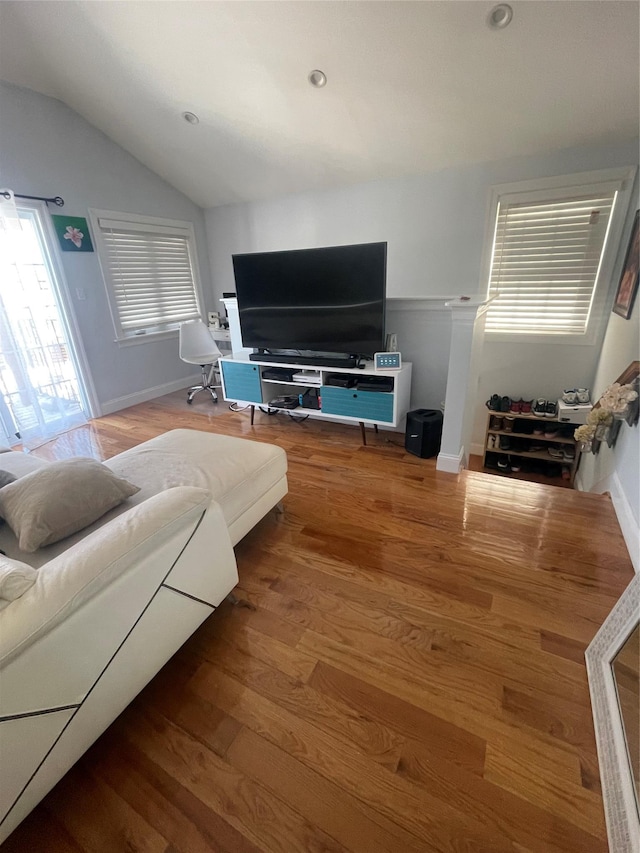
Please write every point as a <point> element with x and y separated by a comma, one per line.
<point>60,499</point>
<point>6,477</point>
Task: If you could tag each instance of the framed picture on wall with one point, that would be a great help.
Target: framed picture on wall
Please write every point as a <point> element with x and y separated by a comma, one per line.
<point>628,287</point>
<point>73,233</point>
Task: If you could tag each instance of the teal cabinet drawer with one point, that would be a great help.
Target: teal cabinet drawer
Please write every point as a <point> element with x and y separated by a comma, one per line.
<point>364,405</point>
<point>242,382</point>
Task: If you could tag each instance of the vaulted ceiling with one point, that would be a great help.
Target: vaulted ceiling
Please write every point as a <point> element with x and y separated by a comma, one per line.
<point>412,86</point>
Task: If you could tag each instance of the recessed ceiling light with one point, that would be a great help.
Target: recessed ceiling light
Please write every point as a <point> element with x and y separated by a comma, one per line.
<point>191,118</point>
<point>500,16</point>
<point>318,79</point>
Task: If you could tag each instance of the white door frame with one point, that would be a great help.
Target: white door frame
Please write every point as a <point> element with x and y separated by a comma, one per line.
<point>59,284</point>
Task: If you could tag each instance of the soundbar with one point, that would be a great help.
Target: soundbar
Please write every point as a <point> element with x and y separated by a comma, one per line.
<point>347,361</point>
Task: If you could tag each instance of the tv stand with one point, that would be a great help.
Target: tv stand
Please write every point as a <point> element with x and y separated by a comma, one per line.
<point>345,362</point>
<point>345,398</point>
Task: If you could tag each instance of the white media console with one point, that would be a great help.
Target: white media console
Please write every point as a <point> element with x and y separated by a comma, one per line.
<point>243,382</point>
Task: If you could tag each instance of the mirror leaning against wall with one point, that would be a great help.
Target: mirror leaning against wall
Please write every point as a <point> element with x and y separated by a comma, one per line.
<point>613,667</point>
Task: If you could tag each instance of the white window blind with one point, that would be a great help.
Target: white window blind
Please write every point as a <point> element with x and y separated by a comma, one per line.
<point>546,259</point>
<point>150,275</point>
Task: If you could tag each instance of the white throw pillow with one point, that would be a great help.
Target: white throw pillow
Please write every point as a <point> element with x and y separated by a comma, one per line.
<point>15,578</point>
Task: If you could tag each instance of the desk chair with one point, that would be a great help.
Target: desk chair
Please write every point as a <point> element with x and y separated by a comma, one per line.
<point>198,347</point>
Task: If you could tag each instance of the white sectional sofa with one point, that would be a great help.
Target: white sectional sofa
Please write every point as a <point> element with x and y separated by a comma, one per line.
<point>112,603</point>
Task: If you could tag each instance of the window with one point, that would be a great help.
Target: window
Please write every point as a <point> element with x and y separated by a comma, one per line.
<point>150,272</point>
<point>552,249</point>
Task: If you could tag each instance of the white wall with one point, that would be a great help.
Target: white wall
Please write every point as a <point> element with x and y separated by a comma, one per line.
<point>617,469</point>
<point>47,149</point>
<point>434,225</point>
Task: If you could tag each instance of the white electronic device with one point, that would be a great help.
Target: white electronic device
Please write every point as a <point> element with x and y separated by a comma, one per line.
<point>308,377</point>
<point>387,361</point>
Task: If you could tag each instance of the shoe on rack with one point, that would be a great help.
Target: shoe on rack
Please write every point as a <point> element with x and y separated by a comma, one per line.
<point>569,453</point>
<point>509,423</point>
<point>496,422</point>
<point>536,448</point>
<point>505,442</point>
<point>566,472</point>
<point>516,407</point>
<point>570,397</point>
<point>555,452</point>
<point>526,427</point>
<point>525,406</point>
<point>515,464</point>
<point>551,409</point>
<point>551,433</point>
<point>503,464</point>
<point>505,404</point>
<point>491,442</point>
<point>582,395</point>
<point>493,404</point>
<point>553,469</point>
<point>539,407</point>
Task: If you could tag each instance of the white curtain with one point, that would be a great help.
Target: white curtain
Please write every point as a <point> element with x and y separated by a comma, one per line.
<point>39,390</point>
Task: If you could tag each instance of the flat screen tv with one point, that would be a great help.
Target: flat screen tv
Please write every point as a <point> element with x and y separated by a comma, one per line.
<point>328,300</point>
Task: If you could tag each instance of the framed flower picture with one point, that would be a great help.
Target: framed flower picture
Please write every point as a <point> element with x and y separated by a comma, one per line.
<point>73,233</point>
<point>628,287</point>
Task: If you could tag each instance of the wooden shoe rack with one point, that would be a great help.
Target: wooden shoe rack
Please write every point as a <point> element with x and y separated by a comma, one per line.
<point>491,454</point>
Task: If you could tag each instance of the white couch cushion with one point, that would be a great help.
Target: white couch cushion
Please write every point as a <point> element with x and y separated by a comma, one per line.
<point>15,578</point>
<point>236,472</point>
<point>66,582</point>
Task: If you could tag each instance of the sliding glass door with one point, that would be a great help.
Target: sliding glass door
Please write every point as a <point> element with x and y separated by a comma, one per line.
<point>41,388</point>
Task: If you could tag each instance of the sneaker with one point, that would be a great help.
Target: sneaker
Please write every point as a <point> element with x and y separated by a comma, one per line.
<point>525,407</point>
<point>494,403</point>
<point>582,395</point>
<point>568,453</point>
<point>570,397</point>
<point>491,442</point>
<point>555,452</point>
<point>538,430</point>
<point>566,472</point>
<point>551,409</point>
<point>515,464</point>
<point>539,407</point>
<point>551,433</point>
<point>505,442</point>
<point>516,407</point>
<point>536,448</point>
<point>526,427</point>
<point>496,422</point>
<point>509,423</point>
<point>505,404</point>
<point>503,464</point>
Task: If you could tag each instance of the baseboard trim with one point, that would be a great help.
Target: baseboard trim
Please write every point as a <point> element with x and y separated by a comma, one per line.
<point>626,520</point>
<point>477,450</point>
<point>450,463</point>
<point>115,405</point>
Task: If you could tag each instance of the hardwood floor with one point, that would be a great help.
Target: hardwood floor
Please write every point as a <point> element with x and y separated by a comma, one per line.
<point>411,678</point>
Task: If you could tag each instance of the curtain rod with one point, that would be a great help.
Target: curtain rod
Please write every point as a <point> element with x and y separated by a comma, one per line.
<point>55,200</point>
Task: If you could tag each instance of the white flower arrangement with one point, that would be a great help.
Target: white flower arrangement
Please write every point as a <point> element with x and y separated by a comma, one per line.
<point>585,433</point>
<point>614,403</point>
<point>599,416</point>
<point>617,397</point>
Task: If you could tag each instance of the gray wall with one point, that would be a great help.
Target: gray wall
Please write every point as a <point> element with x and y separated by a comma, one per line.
<point>434,225</point>
<point>47,149</point>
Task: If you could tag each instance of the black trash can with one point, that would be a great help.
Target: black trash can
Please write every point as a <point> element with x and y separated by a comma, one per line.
<point>424,432</point>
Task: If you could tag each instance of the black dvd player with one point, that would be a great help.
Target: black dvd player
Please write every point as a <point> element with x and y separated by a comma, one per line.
<point>375,383</point>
